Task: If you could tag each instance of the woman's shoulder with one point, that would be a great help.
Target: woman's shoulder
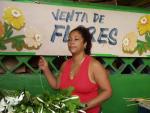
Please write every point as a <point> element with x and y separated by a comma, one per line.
<point>96,66</point>
<point>65,63</point>
<point>94,62</point>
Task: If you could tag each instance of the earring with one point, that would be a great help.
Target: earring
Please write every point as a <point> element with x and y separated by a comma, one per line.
<point>85,45</point>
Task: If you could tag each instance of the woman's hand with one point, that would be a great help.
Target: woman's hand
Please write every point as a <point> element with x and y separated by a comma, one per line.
<point>85,107</point>
<point>43,65</point>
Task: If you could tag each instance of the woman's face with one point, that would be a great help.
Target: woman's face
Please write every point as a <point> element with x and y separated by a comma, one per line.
<point>75,42</point>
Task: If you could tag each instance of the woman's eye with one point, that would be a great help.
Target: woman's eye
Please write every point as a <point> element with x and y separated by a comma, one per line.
<point>76,39</point>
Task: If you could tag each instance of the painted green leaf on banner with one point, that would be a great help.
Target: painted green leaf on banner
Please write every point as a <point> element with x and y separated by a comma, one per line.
<point>2,45</point>
<point>18,42</point>
<point>141,48</point>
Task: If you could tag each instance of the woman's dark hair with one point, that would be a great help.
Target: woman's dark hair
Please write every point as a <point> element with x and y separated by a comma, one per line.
<point>87,37</point>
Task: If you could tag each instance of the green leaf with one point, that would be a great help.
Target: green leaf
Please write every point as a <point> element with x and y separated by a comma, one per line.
<point>141,47</point>
<point>71,107</point>
<point>2,45</point>
<point>147,37</point>
<point>6,26</point>
<point>67,92</point>
<point>17,42</point>
<point>147,45</point>
<point>35,101</point>
<point>27,97</point>
<point>1,95</point>
<point>29,109</point>
<point>22,107</point>
<point>9,32</point>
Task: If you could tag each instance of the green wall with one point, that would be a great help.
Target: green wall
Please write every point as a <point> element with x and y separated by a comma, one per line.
<point>123,87</point>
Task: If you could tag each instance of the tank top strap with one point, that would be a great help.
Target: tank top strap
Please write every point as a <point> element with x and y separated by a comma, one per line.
<point>86,63</point>
<point>67,65</point>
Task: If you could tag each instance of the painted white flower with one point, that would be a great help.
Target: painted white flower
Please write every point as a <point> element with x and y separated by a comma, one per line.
<point>32,38</point>
<point>129,42</point>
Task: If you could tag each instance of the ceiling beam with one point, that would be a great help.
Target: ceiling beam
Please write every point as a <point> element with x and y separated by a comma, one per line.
<point>112,2</point>
<point>142,3</point>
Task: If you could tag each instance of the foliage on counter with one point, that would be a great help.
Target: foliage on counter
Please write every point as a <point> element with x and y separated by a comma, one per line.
<point>24,102</point>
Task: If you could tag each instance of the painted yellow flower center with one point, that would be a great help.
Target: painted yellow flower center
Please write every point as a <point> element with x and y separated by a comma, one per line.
<point>143,20</point>
<point>126,42</point>
<point>15,13</point>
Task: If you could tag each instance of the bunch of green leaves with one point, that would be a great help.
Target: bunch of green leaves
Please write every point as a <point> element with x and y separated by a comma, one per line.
<point>17,40</point>
<point>59,102</point>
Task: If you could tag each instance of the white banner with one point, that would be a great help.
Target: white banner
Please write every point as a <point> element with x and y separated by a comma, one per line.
<point>43,29</point>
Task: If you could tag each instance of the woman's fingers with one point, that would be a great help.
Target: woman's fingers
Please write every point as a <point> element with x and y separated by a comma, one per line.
<point>41,57</point>
<point>42,62</point>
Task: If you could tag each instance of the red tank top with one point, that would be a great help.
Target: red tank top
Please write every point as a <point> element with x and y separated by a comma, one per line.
<point>83,87</point>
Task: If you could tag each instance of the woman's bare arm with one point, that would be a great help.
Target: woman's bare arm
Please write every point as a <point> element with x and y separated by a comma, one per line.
<point>101,78</point>
<point>52,80</point>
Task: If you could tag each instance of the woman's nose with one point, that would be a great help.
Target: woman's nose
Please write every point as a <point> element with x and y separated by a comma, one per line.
<point>71,41</point>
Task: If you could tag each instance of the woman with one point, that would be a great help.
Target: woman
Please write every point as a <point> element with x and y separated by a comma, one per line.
<point>82,72</point>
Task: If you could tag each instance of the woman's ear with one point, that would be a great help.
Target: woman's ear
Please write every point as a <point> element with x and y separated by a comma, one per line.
<point>85,44</point>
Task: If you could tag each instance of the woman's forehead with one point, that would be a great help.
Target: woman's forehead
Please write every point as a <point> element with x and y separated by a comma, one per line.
<point>75,34</point>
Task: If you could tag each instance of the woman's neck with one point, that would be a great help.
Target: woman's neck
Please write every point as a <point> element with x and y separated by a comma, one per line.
<point>78,58</point>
